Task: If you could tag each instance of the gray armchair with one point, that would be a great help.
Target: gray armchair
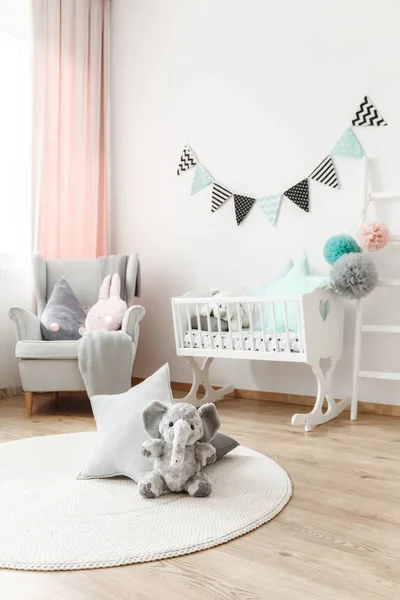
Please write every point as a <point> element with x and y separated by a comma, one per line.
<point>53,366</point>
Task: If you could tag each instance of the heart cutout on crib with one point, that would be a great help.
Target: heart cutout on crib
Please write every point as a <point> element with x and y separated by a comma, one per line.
<point>324,308</point>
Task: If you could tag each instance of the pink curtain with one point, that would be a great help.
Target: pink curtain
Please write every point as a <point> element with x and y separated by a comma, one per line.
<point>71,57</point>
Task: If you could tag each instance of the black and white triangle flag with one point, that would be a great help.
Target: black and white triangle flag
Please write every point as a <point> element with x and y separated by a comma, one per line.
<point>368,116</point>
<point>326,173</point>
<point>188,160</point>
<point>299,194</point>
<point>219,196</point>
<point>243,205</point>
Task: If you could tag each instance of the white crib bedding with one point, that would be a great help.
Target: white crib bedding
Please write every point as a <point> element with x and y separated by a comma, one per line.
<point>257,341</point>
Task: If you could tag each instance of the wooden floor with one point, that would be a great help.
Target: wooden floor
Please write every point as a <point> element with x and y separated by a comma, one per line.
<point>338,538</point>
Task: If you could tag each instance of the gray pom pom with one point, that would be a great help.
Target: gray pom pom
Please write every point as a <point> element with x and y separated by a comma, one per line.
<point>354,276</point>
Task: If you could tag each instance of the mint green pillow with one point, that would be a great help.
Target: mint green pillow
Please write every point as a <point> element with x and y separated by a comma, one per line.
<point>297,282</point>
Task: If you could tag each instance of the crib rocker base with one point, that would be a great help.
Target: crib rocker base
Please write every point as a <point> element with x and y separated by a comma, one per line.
<point>201,377</point>
<point>317,416</point>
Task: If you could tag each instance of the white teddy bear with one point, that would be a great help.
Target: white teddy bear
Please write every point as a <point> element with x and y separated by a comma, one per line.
<point>236,318</point>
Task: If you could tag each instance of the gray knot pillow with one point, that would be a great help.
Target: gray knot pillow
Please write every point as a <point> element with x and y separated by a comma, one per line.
<point>63,315</point>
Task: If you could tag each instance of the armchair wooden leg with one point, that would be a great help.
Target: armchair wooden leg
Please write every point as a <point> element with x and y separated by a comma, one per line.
<point>56,398</point>
<point>28,403</point>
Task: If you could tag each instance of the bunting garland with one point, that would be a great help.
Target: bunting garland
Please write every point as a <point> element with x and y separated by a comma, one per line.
<point>368,116</point>
<point>299,194</point>
<point>219,196</point>
<point>201,180</point>
<point>348,146</point>
<point>188,160</point>
<point>243,205</point>
<point>325,173</point>
<point>270,205</point>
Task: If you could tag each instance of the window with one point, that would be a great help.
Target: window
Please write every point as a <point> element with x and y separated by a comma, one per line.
<point>15,129</point>
<point>15,176</point>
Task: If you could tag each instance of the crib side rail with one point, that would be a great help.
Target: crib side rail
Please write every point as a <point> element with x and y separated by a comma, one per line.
<point>239,323</point>
<point>234,299</point>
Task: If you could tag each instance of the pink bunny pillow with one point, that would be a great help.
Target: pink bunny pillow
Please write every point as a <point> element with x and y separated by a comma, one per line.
<point>109,310</point>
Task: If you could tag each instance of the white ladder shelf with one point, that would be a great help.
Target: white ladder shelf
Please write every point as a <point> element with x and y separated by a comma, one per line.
<point>360,327</point>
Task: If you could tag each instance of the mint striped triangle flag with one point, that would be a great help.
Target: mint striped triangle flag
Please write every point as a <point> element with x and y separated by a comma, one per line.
<point>270,206</point>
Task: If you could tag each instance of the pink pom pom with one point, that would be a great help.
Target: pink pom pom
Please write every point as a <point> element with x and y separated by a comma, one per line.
<point>55,327</point>
<point>373,236</point>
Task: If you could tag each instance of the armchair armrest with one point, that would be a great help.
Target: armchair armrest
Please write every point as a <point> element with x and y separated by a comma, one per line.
<point>132,318</point>
<point>27,325</point>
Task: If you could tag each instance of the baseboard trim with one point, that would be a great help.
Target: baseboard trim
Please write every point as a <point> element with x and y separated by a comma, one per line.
<point>296,399</point>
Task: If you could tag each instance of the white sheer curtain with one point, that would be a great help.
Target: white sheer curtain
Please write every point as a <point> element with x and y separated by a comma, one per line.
<point>15,175</point>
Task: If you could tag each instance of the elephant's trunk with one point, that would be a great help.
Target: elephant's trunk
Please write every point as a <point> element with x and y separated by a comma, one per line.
<point>181,434</point>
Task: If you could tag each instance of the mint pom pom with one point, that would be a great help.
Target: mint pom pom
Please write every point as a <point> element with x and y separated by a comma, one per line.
<point>338,245</point>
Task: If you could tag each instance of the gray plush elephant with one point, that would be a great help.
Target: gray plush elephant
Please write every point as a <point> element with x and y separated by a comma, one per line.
<point>179,448</point>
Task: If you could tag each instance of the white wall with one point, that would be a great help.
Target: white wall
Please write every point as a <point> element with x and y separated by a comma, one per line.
<point>262,90</point>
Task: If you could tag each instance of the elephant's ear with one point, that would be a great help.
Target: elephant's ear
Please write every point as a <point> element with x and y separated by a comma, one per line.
<point>152,415</point>
<point>211,422</point>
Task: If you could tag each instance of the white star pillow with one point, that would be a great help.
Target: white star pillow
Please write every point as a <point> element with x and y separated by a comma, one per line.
<point>120,431</point>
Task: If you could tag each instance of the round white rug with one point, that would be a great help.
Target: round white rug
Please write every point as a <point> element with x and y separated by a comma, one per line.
<point>52,521</point>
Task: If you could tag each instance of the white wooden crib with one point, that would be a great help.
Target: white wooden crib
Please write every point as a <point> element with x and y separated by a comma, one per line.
<point>318,336</point>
